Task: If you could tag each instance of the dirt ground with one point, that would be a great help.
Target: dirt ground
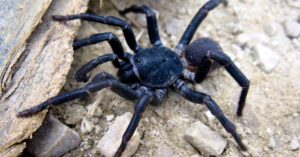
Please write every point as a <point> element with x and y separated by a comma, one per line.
<point>271,120</point>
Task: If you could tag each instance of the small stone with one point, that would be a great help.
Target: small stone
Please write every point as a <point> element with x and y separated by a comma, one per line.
<point>174,26</point>
<point>210,117</point>
<point>267,58</point>
<point>205,140</point>
<point>110,117</point>
<point>86,126</point>
<point>111,141</point>
<point>271,29</point>
<point>53,138</point>
<point>294,144</point>
<point>196,155</point>
<point>98,129</point>
<point>141,19</point>
<point>292,28</point>
<point>251,39</point>
<point>164,151</point>
<point>294,3</point>
<point>272,143</point>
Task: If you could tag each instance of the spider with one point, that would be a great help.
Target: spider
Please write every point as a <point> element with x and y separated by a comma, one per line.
<point>148,74</point>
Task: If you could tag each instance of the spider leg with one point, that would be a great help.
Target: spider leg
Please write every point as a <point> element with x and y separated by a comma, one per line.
<point>153,31</point>
<point>139,109</point>
<point>198,97</point>
<point>81,74</point>
<point>101,81</point>
<point>109,20</point>
<point>201,72</point>
<point>235,72</point>
<point>113,41</point>
<point>196,21</point>
<point>205,52</point>
<point>158,96</point>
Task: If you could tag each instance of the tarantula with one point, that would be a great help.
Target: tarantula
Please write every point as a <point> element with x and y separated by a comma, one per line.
<point>147,75</point>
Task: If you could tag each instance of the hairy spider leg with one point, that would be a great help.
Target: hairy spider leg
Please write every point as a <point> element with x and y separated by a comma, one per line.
<point>113,41</point>
<point>196,21</point>
<point>152,25</point>
<point>96,85</point>
<point>109,20</point>
<point>198,97</point>
<point>139,109</point>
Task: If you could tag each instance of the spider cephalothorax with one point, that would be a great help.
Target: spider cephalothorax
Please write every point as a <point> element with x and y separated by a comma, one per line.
<point>147,75</point>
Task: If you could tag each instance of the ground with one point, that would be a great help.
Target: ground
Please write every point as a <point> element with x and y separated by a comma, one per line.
<point>271,117</point>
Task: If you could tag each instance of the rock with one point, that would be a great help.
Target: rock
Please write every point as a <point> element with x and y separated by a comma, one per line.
<point>41,71</point>
<point>13,151</point>
<point>210,117</point>
<point>164,151</point>
<point>141,19</point>
<point>294,144</point>
<point>293,3</point>
<point>205,140</point>
<point>53,138</point>
<point>110,142</point>
<point>110,117</point>
<point>271,29</point>
<point>251,39</point>
<point>174,26</point>
<point>292,28</point>
<point>267,58</point>
<point>272,143</point>
<point>86,126</point>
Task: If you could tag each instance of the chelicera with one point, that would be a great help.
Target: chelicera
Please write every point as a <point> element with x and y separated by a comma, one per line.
<point>149,73</point>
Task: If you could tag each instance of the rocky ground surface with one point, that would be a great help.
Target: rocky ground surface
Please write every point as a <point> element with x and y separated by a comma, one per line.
<point>263,39</point>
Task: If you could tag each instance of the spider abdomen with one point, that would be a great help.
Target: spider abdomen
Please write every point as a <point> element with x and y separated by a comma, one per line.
<point>157,67</point>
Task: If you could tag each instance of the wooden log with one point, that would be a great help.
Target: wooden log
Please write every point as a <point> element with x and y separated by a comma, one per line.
<point>40,73</point>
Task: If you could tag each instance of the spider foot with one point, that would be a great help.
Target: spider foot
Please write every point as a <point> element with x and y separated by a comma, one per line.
<point>59,17</point>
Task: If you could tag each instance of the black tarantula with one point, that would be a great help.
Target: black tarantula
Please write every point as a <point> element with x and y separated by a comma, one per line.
<point>147,75</point>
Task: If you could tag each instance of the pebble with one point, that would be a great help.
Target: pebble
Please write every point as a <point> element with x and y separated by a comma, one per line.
<point>252,39</point>
<point>204,139</point>
<point>174,26</point>
<point>292,28</point>
<point>271,29</point>
<point>272,143</point>
<point>111,140</point>
<point>164,151</point>
<point>141,19</point>
<point>110,117</point>
<point>266,57</point>
<point>210,117</point>
<point>53,138</point>
<point>294,144</point>
<point>86,126</point>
